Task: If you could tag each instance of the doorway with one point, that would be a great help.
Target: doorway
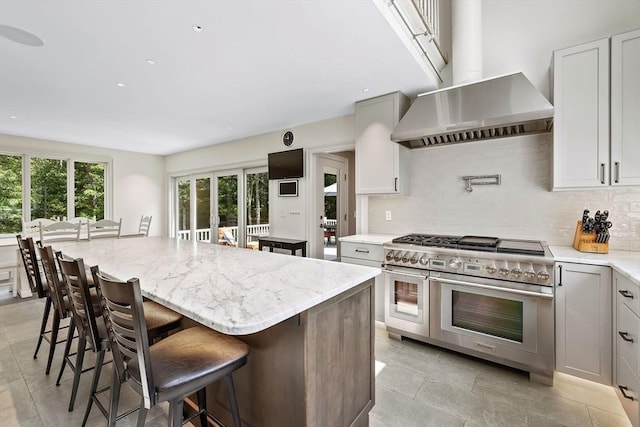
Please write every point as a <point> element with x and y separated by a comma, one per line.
<point>331,204</point>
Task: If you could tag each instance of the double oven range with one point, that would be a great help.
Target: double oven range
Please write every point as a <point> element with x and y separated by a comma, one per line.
<point>484,296</point>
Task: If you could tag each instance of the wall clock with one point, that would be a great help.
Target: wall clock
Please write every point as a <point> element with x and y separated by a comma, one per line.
<point>287,138</point>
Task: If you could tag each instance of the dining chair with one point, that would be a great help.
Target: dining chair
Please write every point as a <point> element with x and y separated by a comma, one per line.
<point>145,224</point>
<point>32,228</point>
<point>84,224</point>
<point>42,288</point>
<point>105,228</point>
<point>175,367</point>
<point>59,231</point>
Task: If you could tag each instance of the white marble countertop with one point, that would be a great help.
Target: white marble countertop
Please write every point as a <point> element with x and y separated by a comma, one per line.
<point>626,263</point>
<point>375,239</point>
<point>234,291</point>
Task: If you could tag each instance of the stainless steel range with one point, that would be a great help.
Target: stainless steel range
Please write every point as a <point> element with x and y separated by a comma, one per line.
<point>484,296</point>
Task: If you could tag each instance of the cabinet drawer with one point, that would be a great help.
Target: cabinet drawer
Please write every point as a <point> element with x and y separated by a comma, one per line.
<point>362,251</point>
<point>627,381</point>
<point>628,292</point>
<point>627,330</point>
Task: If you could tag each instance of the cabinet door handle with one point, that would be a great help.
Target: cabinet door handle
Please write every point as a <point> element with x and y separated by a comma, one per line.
<point>625,336</point>
<point>617,172</point>
<point>560,275</point>
<point>623,390</point>
<point>395,184</point>
<point>601,173</point>
<point>625,293</point>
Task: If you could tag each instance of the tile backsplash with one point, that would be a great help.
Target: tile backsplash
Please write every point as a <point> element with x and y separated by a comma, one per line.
<point>521,207</point>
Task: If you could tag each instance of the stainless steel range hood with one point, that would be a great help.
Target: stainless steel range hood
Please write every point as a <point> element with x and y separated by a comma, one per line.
<point>494,108</point>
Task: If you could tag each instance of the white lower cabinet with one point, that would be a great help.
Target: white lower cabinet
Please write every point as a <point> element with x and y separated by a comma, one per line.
<point>583,321</point>
<point>626,328</point>
<point>370,255</point>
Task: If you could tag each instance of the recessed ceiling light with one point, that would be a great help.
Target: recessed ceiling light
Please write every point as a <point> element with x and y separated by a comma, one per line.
<point>150,61</point>
<point>120,84</point>
<point>229,127</point>
<point>20,36</point>
<point>197,28</point>
<point>13,117</point>
<point>365,90</point>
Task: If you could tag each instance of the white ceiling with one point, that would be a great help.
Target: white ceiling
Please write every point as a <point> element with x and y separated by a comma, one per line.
<point>257,66</point>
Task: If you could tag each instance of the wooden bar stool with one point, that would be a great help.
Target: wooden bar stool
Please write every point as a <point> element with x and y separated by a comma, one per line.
<point>41,286</point>
<point>180,365</point>
<point>87,307</point>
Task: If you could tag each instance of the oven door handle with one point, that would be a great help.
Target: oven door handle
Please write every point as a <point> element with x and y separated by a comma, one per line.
<point>402,273</point>
<point>494,288</point>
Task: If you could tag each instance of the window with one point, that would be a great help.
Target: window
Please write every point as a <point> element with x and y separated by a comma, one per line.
<point>55,188</point>
<point>10,194</point>
<point>48,188</point>
<point>89,189</point>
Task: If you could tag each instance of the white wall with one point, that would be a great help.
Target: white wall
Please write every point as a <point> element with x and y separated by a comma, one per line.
<point>517,36</point>
<point>285,221</point>
<point>138,179</point>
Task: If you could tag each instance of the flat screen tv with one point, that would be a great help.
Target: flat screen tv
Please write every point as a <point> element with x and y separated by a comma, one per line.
<point>286,164</point>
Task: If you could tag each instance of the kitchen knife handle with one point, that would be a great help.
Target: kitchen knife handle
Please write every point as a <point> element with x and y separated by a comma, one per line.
<point>617,172</point>
<point>601,173</point>
<point>560,275</point>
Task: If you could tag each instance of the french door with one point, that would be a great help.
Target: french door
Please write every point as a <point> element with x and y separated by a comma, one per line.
<point>193,207</point>
<point>227,191</point>
<point>228,207</point>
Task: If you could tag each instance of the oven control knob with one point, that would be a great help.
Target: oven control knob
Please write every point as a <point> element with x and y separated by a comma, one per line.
<point>530,274</point>
<point>504,271</point>
<point>490,269</point>
<point>405,257</point>
<point>397,257</point>
<point>543,276</point>
<point>455,263</point>
<point>389,256</point>
<point>516,272</point>
<point>414,258</point>
<point>424,260</point>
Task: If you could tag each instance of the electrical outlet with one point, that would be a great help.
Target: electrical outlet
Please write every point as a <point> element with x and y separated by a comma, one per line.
<point>387,215</point>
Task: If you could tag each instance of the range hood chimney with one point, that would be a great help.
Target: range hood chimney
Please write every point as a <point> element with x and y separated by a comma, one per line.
<point>493,108</point>
<point>473,109</point>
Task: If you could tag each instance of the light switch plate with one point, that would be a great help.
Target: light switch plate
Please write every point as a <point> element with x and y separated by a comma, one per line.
<point>387,215</point>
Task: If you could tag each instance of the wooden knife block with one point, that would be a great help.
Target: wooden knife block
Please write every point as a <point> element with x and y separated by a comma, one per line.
<point>586,242</point>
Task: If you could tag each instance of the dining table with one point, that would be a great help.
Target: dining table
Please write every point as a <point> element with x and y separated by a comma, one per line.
<point>309,322</point>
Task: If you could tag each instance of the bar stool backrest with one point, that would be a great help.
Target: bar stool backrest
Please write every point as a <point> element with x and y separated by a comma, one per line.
<point>75,277</point>
<point>57,287</point>
<point>124,310</point>
<point>30,262</point>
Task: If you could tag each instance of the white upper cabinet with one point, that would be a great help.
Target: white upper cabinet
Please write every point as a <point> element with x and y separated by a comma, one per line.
<point>381,165</point>
<point>581,121</point>
<point>596,93</point>
<point>625,108</point>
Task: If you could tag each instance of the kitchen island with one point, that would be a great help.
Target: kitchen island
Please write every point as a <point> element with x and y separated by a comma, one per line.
<point>309,322</point>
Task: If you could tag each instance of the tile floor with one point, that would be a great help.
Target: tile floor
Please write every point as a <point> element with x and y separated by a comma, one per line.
<point>417,385</point>
<point>422,385</point>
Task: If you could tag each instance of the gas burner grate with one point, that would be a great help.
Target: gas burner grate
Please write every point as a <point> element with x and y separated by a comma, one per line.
<point>429,240</point>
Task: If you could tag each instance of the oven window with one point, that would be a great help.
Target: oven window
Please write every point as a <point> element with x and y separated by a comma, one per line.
<point>489,315</point>
<point>405,297</point>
